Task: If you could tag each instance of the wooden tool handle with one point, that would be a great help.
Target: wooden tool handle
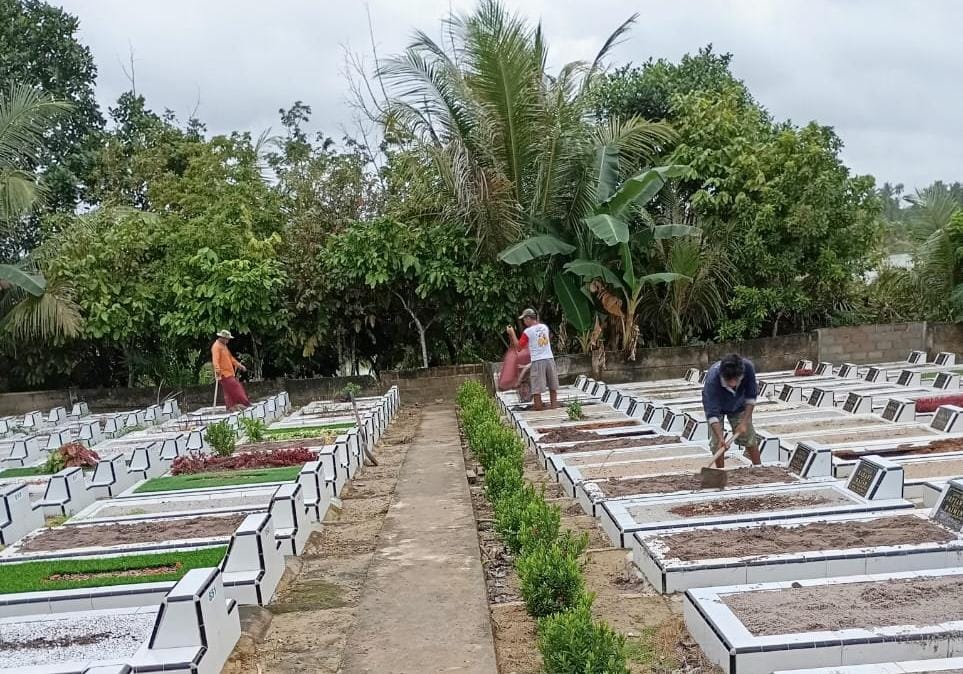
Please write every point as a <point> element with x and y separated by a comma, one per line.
<point>722,450</point>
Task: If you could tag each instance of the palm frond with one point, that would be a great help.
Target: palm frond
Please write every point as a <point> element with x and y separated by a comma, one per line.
<point>614,39</point>
<point>51,317</point>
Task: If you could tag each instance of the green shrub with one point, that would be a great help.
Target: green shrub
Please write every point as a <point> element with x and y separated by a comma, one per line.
<point>510,514</point>
<point>574,410</point>
<point>551,579</point>
<point>221,437</point>
<point>524,520</point>
<point>253,429</point>
<point>350,390</point>
<point>471,390</point>
<point>572,643</point>
<point>503,478</point>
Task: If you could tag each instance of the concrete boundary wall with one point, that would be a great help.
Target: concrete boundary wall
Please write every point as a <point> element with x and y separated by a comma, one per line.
<point>855,344</point>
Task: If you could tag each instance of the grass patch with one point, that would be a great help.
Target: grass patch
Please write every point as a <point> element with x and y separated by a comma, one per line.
<point>26,471</point>
<point>306,432</point>
<point>220,479</point>
<point>35,576</point>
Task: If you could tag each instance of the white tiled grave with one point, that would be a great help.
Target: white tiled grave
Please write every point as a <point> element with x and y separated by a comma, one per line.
<point>652,557</point>
<point>192,631</point>
<point>570,469</point>
<point>725,640</point>
<point>875,487</point>
<point>252,566</point>
<point>808,463</point>
<point>948,665</point>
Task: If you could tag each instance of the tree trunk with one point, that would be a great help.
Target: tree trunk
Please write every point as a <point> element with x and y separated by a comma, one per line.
<point>422,329</point>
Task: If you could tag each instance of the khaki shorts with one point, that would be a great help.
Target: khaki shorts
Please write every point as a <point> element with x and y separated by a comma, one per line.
<point>747,439</point>
<point>544,376</point>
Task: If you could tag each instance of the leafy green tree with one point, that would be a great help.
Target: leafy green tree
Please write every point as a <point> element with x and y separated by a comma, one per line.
<point>29,308</point>
<point>508,140</point>
<point>39,48</point>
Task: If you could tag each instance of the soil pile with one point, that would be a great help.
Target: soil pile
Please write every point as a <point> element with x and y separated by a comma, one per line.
<point>935,447</point>
<point>63,538</point>
<point>620,443</point>
<point>847,606</point>
<point>774,540</point>
<point>661,484</point>
<point>575,434</point>
<point>750,504</point>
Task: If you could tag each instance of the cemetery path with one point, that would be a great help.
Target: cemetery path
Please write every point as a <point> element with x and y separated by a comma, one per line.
<point>424,607</point>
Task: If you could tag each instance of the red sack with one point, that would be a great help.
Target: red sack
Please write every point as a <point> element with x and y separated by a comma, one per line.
<point>512,364</point>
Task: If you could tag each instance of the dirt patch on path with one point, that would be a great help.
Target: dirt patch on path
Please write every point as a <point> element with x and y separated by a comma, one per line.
<point>313,614</point>
<point>848,606</point>
<point>774,540</point>
<point>662,484</point>
<point>155,531</point>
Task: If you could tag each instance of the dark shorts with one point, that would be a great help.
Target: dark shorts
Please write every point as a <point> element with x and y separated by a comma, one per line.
<point>747,439</point>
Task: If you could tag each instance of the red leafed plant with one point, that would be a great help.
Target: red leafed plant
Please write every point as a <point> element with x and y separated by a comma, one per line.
<point>804,372</point>
<point>71,455</point>
<point>205,463</point>
<point>933,403</point>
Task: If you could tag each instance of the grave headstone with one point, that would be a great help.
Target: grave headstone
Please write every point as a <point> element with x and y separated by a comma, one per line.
<point>852,402</point>
<point>945,358</point>
<point>917,357</point>
<point>908,378</point>
<point>873,374</point>
<point>947,419</point>
<point>876,478</point>
<point>949,509</point>
<point>946,381</point>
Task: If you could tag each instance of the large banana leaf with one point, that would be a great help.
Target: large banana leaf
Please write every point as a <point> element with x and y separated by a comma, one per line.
<point>642,188</point>
<point>664,277</point>
<point>575,305</point>
<point>32,284</point>
<point>590,269</point>
<point>611,230</point>
<point>607,165</point>
<point>672,231</point>
<point>534,247</point>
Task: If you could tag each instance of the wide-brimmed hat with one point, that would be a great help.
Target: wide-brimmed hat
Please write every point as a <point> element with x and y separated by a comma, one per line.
<point>226,334</point>
<point>528,313</point>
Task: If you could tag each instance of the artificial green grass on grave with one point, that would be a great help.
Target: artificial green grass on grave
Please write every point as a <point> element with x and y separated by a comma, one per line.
<point>26,471</point>
<point>306,431</point>
<point>221,478</point>
<point>31,576</point>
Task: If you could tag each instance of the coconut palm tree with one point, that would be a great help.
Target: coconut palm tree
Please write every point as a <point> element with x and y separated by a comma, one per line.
<point>29,308</point>
<point>512,142</point>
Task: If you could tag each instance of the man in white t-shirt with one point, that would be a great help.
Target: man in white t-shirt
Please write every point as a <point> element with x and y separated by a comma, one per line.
<point>539,342</point>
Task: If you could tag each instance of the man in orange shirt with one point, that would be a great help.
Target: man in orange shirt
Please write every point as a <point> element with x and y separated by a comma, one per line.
<point>225,367</point>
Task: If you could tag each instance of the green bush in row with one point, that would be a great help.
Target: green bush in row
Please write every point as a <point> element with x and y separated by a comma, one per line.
<point>572,642</point>
<point>548,560</point>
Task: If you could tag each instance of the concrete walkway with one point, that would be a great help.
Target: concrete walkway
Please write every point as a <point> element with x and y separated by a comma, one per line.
<point>424,608</point>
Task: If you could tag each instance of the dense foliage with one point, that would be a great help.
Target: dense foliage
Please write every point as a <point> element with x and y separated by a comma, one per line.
<point>650,204</point>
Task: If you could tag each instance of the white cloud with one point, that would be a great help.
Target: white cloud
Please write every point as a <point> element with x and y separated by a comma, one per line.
<point>884,73</point>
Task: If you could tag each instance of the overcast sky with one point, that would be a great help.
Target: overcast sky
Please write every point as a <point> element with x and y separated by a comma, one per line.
<point>885,73</point>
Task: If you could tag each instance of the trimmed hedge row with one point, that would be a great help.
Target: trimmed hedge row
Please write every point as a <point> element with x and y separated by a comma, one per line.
<point>548,560</point>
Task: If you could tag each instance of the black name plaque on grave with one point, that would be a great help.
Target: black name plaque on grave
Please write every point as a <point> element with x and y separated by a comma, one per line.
<point>850,403</point>
<point>905,377</point>
<point>799,458</point>
<point>862,478</point>
<point>942,419</point>
<point>950,512</point>
<point>892,410</point>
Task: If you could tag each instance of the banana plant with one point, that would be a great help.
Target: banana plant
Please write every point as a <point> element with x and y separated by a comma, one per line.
<point>608,270</point>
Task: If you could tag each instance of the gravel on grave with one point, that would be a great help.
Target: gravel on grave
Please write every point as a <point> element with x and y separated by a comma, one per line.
<point>690,464</point>
<point>676,510</point>
<point>935,447</point>
<point>618,443</point>
<point>76,636</point>
<point>886,603</point>
<point>156,507</point>
<point>626,455</point>
<point>883,432</point>
<point>781,539</point>
<point>590,425</point>
<point>151,531</point>
<point>924,469</point>
<point>803,426</point>
<point>660,484</point>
